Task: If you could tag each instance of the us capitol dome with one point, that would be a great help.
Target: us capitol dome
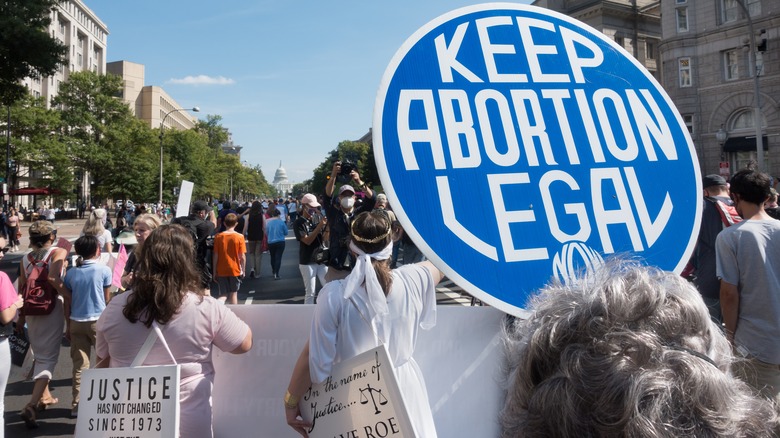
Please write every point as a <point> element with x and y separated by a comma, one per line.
<point>280,181</point>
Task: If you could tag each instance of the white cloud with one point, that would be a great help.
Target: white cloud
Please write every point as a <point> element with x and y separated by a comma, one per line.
<point>202,80</point>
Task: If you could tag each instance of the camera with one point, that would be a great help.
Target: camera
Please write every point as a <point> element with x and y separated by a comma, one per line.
<point>347,167</point>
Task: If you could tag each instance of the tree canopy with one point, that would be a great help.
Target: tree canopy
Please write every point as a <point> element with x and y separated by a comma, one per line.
<point>26,48</point>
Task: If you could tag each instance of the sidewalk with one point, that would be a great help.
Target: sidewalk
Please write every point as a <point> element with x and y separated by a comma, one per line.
<point>67,228</point>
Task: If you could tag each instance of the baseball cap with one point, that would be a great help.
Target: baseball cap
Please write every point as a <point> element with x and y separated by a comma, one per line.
<point>713,180</point>
<point>346,188</point>
<point>200,206</point>
<point>41,228</point>
<point>381,197</point>
<point>310,200</point>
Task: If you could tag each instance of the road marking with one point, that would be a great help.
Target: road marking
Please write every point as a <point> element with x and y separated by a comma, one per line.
<point>251,292</point>
<point>248,301</point>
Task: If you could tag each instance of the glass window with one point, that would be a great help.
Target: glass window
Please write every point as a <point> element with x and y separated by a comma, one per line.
<point>730,64</point>
<point>754,7</point>
<point>649,49</point>
<point>682,19</point>
<point>688,119</point>
<point>729,10</point>
<point>685,72</point>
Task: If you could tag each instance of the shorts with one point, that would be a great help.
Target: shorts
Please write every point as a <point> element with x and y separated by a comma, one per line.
<point>228,284</point>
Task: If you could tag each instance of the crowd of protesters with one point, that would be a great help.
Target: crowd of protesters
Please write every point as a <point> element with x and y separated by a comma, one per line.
<point>350,243</point>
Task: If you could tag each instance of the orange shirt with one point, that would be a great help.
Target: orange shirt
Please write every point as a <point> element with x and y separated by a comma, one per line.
<point>230,248</point>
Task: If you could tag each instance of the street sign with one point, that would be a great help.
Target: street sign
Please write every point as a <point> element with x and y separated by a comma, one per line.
<point>518,145</point>
<point>725,170</point>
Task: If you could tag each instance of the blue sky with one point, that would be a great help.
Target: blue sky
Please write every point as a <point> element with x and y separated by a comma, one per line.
<point>291,79</point>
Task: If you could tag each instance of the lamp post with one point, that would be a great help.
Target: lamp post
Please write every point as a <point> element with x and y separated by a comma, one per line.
<point>162,127</point>
<point>757,118</point>
<point>721,136</point>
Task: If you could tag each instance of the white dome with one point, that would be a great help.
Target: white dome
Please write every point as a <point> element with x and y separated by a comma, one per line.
<point>280,175</point>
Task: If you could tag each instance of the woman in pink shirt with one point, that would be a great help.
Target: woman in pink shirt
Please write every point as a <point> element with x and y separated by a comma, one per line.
<point>166,289</point>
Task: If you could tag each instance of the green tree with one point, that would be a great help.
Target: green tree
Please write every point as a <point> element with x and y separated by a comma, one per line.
<point>91,115</point>
<point>357,153</point>
<point>26,48</point>
<point>36,152</point>
<point>132,173</point>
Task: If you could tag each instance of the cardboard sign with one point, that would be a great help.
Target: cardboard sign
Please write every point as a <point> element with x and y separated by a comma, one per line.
<point>64,244</point>
<point>518,145</point>
<point>185,195</point>
<point>119,267</point>
<point>460,359</point>
<point>360,399</point>
<point>129,402</point>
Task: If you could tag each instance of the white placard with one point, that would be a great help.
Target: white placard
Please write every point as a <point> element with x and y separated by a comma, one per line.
<point>140,402</point>
<point>360,399</point>
<point>185,196</point>
<point>460,359</point>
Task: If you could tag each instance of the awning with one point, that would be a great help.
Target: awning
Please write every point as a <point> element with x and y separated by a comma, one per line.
<point>34,191</point>
<point>743,144</point>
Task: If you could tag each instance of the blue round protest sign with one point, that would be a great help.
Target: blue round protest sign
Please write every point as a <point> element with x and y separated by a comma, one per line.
<point>518,145</point>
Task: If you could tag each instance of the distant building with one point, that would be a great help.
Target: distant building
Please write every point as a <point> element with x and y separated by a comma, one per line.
<point>149,103</point>
<point>280,181</point>
<point>634,24</point>
<point>82,32</point>
<point>85,35</point>
<point>232,149</point>
<point>709,72</point>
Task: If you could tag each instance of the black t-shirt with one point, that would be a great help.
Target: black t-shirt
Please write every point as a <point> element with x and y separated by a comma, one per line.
<point>339,224</point>
<point>301,228</point>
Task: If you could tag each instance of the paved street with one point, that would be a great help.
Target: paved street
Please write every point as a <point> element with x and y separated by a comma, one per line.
<point>56,421</point>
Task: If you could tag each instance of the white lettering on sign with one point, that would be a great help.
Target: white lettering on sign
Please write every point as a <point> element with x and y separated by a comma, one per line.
<point>627,195</point>
<point>525,115</point>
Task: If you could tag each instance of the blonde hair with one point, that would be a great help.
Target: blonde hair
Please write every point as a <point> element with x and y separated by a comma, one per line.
<point>94,224</point>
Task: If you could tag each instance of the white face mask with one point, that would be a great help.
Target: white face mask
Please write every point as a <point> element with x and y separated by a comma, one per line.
<point>347,202</point>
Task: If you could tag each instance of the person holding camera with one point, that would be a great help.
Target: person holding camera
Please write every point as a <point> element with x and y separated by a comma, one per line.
<point>340,212</point>
<point>309,229</point>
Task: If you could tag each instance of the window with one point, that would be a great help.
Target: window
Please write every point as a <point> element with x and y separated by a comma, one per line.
<point>682,19</point>
<point>729,11</point>
<point>688,119</point>
<point>80,63</point>
<point>620,41</point>
<point>730,66</point>
<point>754,7</point>
<point>649,49</point>
<point>62,27</point>
<point>682,2</point>
<point>685,72</point>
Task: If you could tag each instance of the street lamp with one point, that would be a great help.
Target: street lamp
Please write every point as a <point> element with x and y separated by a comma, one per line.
<point>757,118</point>
<point>162,126</point>
<point>721,136</point>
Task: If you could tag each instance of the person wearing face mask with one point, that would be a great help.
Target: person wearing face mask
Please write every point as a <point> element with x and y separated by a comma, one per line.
<point>309,229</point>
<point>340,212</point>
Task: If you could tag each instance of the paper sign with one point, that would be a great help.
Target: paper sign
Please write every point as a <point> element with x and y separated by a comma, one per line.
<point>518,145</point>
<point>185,196</point>
<point>360,399</point>
<point>119,267</point>
<point>64,244</point>
<point>129,402</point>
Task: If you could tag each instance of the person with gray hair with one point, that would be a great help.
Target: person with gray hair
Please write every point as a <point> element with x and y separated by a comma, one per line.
<point>625,350</point>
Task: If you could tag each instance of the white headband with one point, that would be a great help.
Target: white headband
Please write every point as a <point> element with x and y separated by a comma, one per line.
<point>364,271</point>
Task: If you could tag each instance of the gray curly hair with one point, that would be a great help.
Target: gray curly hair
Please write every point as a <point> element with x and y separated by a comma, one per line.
<point>625,351</point>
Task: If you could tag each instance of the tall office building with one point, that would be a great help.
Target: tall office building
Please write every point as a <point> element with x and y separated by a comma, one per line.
<point>149,103</point>
<point>82,32</point>
<point>709,65</point>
